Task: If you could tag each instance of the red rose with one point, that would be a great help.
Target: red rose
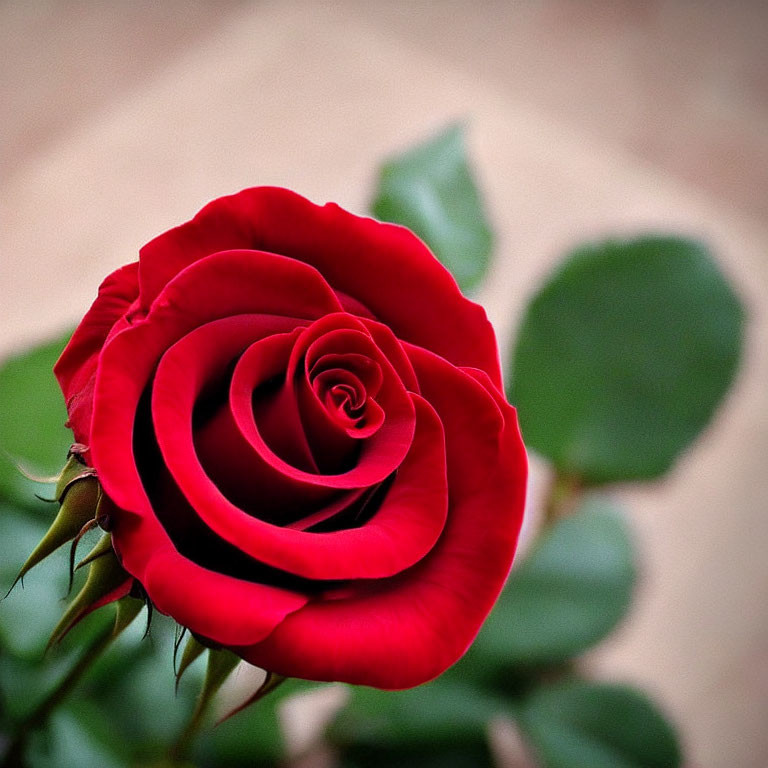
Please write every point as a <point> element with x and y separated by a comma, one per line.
<point>298,421</point>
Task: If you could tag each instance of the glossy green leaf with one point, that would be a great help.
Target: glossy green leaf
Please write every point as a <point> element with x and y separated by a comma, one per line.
<point>569,592</point>
<point>32,417</point>
<point>430,190</point>
<point>623,356</point>
<point>577,724</point>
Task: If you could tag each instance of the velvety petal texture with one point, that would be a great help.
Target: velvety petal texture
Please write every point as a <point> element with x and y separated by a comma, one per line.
<point>298,424</point>
<point>76,368</point>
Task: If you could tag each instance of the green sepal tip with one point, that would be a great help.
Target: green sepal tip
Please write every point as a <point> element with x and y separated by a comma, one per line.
<point>271,681</point>
<point>106,582</point>
<point>221,663</point>
<point>127,609</point>
<point>79,501</point>
<point>193,649</point>
<point>103,547</point>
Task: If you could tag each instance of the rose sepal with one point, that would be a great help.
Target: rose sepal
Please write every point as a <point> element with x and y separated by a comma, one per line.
<point>126,610</point>
<point>103,547</point>
<point>106,582</point>
<point>78,493</point>
<point>73,470</point>
<point>221,663</point>
<point>271,681</point>
<point>193,649</point>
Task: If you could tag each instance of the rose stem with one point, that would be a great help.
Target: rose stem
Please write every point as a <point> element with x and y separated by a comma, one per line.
<point>39,715</point>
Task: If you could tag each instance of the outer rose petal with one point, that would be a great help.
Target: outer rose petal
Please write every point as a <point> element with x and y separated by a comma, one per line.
<point>403,631</point>
<point>223,608</point>
<point>227,283</point>
<point>76,368</point>
<point>384,266</point>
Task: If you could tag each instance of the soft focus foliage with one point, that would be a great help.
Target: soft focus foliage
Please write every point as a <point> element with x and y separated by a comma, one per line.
<point>623,356</point>
<point>431,190</point>
<point>565,595</point>
<point>592,725</point>
<point>621,360</point>
<point>32,425</point>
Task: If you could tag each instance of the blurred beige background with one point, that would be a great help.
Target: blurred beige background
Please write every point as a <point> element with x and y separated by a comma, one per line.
<point>120,119</point>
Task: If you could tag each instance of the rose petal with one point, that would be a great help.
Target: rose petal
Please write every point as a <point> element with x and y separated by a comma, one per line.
<point>379,456</point>
<point>223,284</point>
<point>401,632</point>
<point>384,267</point>
<point>402,531</point>
<point>251,476</point>
<point>76,367</point>
<point>392,349</point>
<point>342,338</point>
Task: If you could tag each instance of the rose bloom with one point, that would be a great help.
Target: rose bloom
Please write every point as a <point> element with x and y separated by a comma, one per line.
<point>298,423</point>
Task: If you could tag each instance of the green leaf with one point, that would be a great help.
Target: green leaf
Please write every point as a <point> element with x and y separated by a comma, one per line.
<point>441,712</point>
<point>32,417</point>
<point>442,723</point>
<point>592,725</point>
<point>623,356</point>
<point>24,682</point>
<point>473,755</point>
<point>430,190</point>
<point>70,742</point>
<point>569,592</point>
